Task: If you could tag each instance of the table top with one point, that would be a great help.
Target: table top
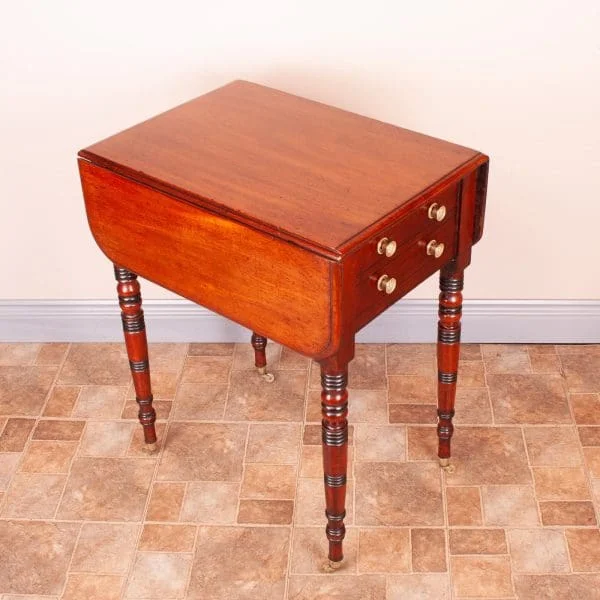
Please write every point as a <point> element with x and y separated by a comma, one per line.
<point>301,170</point>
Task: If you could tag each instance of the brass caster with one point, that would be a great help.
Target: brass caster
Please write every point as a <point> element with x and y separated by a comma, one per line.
<point>332,566</point>
<point>268,377</point>
<point>446,466</point>
<point>150,448</point>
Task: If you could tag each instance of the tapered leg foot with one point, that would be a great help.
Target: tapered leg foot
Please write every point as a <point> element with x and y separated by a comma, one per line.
<point>334,404</point>
<point>134,328</point>
<point>259,343</point>
<point>448,349</point>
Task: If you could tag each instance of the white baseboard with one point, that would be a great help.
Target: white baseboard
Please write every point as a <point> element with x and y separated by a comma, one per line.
<point>524,321</point>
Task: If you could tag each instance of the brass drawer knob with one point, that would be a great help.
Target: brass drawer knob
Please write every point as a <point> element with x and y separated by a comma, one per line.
<point>387,247</point>
<point>386,284</point>
<point>436,212</point>
<point>435,248</point>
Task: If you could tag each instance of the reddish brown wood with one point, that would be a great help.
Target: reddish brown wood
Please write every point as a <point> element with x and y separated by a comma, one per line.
<point>448,349</point>
<point>134,328</point>
<point>334,402</point>
<point>268,208</point>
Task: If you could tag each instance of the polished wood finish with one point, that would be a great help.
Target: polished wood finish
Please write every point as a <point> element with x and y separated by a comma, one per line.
<point>269,209</point>
<point>448,349</point>
<point>134,329</point>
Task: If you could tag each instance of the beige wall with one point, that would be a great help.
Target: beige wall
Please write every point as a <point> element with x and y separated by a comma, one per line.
<point>517,80</point>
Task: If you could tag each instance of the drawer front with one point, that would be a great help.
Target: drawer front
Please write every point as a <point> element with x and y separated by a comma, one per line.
<point>420,220</point>
<point>410,266</point>
<point>261,282</point>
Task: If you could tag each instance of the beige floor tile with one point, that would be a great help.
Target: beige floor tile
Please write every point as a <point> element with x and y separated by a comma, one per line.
<point>138,447</point>
<point>470,352</point>
<point>367,369</point>
<point>203,451</point>
<point>560,483</point>
<point>552,446</point>
<point>106,438</point>
<point>9,462</point>
<point>422,443</point>
<point>428,550</point>
<point>584,548</point>
<point>211,349</point>
<point>36,556</point>
<point>310,547</point>
<point>292,360</point>
<point>33,495</point>
<point>206,369</point>
<point>167,357</point>
<point>18,355</point>
<point>592,461</point>
<point>167,538</point>
<point>258,572</point>
<point>529,399</point>
<point>506,358</point>
<point>366,406</point>
<point>568,513</point>
<point>252,398</point>
<point>266,512</point>
<point>100,402</point>
<point>96,364</point>
<point>586,408</point>
<point>545,363</point>
<point>23,390</point>
<point>68,431</point>
<point>473,406</point>
<point>419,586</point>
<point>477,541</point>
<point>488,455</point>
<point>553,587</point>
<point>48,457</point>
<point>348,587</point>
<point>509,506</point>
<point>107,489</point>
<point>162,407</point>
<point>538,551</point>
<point>471,374</point>
<point>589,436</point>
<point>481,576</point>
<point>464,506</point>
<point>273,443</point>
<point>380,442</point>
<point>211,502</point>
<point>164,385</point>
<point>384,550</point>
<point>51,354</point>
<point>310,503</point>
<point>424,414</point>
<point>159,575</point>
<point>15,434</point>
<point>581,372</point>
<point>93,587</point>
<point>200,401</point>
<point>412,389</point>
<point>311,464</point>
<point>401,494</point>
<point>62,401</point>
<point>411,359</point>
<point>166,500</point>
<point>105,548</point>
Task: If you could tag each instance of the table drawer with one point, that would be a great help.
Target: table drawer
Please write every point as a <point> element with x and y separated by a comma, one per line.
<point>420,220</point>
<point>410,266</point>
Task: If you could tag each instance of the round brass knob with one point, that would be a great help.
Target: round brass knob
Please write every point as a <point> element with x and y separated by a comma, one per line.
<point>437,212</point>
<point>386,284</point>
<point>386,246</point>
<point>435,248</point>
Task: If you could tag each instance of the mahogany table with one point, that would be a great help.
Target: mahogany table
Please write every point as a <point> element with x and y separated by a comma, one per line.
<point>298,220</point>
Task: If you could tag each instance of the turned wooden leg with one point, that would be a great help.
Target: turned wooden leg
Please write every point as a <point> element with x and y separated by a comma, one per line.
<point>334,404</point>
<point>448,348</point>
<point>259,343</point>
<point>132,315</point>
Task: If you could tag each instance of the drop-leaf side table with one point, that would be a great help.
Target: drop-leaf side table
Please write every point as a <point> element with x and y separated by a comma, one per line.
<point>298,220</point>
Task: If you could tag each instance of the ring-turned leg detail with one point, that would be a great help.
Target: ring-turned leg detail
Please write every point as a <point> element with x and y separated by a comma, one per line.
<point>132,315</point>
<point>259,343</point>
<point>448,349</point>
<point>334,404</point>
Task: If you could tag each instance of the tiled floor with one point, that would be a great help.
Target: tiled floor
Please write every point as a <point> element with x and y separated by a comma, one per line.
<point>232,506</point>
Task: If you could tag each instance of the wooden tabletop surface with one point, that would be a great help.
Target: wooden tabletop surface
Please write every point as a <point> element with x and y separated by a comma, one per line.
<point>303,170</point>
